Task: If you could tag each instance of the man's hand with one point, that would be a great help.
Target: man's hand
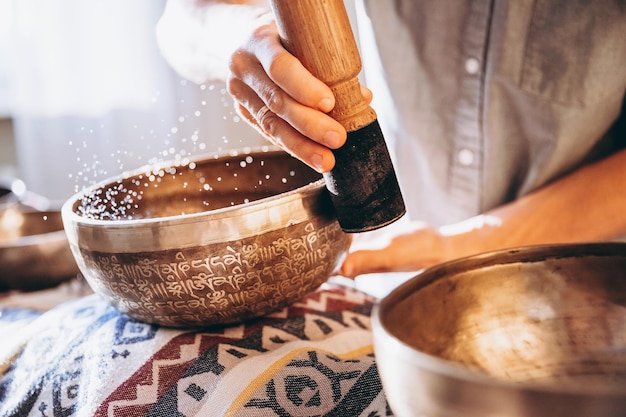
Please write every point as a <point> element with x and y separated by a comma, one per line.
<point>264,74</point>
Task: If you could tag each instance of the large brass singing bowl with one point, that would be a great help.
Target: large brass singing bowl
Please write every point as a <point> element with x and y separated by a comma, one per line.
<point>537,331</point>
<point>208,241</point>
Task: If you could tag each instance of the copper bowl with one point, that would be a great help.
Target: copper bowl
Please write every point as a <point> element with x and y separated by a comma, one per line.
<point>211,240</point>
<point>537,331</point>
<point>34,251</point>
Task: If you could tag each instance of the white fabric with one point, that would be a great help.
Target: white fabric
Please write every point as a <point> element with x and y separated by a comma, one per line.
<point>92,95</point>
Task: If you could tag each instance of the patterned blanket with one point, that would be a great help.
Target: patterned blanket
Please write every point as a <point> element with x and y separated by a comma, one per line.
<point>84,358</point>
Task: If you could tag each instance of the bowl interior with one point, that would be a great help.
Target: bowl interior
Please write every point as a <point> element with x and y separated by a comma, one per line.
<point>542,315</point>
<point>205,184</point>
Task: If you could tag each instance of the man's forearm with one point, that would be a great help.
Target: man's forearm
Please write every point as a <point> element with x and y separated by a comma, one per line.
<point>587,205</point>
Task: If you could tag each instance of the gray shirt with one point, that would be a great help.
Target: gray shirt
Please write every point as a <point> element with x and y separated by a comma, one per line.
<point>483,101</point>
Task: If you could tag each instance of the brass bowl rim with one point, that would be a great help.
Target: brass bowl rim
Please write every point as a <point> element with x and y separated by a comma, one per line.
<point>68,207</point>
<point>36,238</point>
<point>235,222</point>
<point>33,240</point>
<point>242,209</point>
<point>459,372</point>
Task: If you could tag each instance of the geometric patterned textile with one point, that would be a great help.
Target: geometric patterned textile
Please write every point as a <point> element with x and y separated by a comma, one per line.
<point>85,358</point>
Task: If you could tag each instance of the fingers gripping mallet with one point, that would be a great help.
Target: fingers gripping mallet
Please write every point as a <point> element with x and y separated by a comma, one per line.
<point>363,184</point>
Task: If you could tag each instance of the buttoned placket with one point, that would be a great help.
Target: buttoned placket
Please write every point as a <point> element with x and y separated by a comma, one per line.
<point>466,164</point>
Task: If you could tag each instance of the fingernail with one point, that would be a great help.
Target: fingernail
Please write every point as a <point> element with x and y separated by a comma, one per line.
<point>318,162</point>
<point>332,139</point>
<point>325,104</point>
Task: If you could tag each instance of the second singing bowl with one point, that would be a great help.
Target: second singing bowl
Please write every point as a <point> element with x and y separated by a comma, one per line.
<point>530,332</point>
<point>207,241</point>
<point>34,252</point>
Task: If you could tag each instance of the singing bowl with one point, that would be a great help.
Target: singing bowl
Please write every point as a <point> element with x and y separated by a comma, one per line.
<point>34,251</point>
<point>536,331</point>
<point>212,240</point>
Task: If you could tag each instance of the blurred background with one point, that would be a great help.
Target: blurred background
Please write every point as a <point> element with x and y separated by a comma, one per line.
<point>85,94</point>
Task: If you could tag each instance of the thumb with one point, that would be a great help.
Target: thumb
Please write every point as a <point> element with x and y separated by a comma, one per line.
<point>365,262</point>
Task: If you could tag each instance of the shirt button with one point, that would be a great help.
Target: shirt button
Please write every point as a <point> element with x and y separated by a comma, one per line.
<point>472,66</point>
<point>465,157</point>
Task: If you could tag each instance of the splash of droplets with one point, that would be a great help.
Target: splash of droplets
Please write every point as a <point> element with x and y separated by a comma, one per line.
<point>119,202</point>
<point>164,140</point>
<point>113,203</point>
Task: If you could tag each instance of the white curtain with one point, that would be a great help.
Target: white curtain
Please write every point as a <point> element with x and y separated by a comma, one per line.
<point>91,96</point>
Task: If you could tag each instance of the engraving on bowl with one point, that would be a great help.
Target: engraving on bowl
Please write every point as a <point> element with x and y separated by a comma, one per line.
<point>222,284</point>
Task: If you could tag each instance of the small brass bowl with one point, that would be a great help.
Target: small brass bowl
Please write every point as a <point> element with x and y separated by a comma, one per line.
<point>536,331</point>
<point>211,240</point>
<point>34,251</point>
